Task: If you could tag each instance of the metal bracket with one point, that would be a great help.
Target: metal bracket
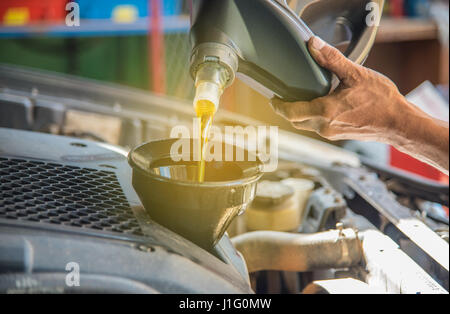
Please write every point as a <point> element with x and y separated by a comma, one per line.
<point>374,192</point>
<point>322,203</point>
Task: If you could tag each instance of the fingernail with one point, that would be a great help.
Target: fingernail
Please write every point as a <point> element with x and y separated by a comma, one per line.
<point>317,43</point>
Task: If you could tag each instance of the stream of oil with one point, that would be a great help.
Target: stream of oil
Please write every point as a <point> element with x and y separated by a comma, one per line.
<point>205,112</point>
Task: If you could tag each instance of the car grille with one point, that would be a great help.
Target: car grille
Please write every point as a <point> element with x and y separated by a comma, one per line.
<point>64,195</point>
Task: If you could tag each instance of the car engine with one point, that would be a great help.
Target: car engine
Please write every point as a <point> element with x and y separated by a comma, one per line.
<point>67,202</point>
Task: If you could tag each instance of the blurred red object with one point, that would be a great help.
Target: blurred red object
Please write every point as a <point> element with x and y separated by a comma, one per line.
<point>405,162</point>
<point>157,60</point>
<point>397,8</point>
<point>22,12</point>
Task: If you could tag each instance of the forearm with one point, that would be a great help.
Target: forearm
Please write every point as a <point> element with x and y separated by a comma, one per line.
<point>421,136</point>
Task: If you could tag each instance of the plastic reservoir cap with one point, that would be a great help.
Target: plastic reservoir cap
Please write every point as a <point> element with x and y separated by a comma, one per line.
<point>207,97</point>
<point>275,208</point>
<point>279,206</point>
<point>270,193</point>
<point>303,189</point>
<point>299,185</point>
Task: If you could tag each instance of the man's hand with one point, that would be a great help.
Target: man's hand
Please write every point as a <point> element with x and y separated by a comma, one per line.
<point>367,106</point>
<point>362,106</point>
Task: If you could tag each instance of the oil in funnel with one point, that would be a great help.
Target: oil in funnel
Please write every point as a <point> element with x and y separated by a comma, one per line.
<point>173,197</point>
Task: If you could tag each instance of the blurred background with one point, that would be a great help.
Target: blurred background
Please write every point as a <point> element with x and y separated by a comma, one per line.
<point>144,44</point>
<point>113,42</point>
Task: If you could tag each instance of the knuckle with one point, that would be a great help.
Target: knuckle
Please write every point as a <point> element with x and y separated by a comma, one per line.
<point>332,53</point>
<point>334,57</point>
<point>356,73</point>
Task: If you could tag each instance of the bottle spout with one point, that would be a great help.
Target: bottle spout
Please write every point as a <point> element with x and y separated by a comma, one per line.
<point>213,68</point>
<point>207,97</point>
<point>210,82</point>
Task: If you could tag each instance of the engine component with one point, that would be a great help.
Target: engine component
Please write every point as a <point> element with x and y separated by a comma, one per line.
<point>20,112</point>
<point>374,192</point>
<point>391,269</point>
<point>324,203</point>
<point>303,189</point>
<point>275,207</point>
<point>271,250</point>
<point>340,286</point>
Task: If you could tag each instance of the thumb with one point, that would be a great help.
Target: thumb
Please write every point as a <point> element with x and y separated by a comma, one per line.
<point>332,59</point>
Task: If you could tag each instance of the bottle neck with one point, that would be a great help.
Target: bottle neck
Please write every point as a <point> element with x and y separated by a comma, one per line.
<point>210,82</point>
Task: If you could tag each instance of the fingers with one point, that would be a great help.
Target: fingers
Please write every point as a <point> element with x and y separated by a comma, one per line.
<point>298,111</point>
<point>333,60</point>
<point>308,116</point>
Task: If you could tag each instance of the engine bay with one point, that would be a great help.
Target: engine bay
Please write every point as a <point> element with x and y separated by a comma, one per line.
<point>326,221</point>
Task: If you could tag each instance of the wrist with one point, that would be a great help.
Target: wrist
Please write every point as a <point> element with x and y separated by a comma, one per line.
<point>420,135</point>
<point>399,122</point>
